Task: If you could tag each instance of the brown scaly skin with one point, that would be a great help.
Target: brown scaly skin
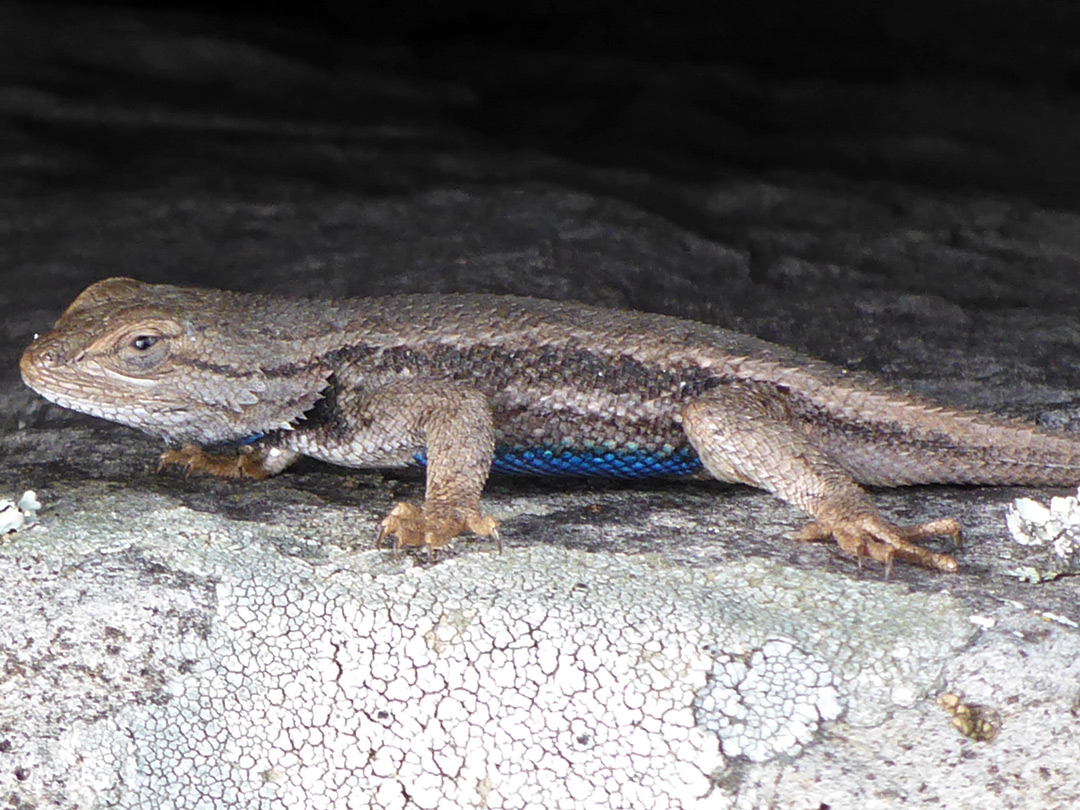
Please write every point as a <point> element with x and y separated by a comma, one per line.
<point>462,378</point>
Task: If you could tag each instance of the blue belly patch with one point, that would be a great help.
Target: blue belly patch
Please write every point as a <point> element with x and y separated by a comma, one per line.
<point>594,462</point>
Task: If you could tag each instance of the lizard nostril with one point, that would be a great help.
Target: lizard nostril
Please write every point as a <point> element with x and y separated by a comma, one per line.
<point>35,360</point>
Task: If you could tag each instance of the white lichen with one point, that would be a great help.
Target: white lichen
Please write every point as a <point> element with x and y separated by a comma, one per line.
<point>1057,526</point>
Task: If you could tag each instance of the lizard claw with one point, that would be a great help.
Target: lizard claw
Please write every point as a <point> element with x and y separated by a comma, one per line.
<point>432,527</point>
<point>247,462</point>
<point>871,535</point>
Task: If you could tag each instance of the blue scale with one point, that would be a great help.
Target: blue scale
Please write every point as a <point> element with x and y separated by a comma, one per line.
<point>596,462</point>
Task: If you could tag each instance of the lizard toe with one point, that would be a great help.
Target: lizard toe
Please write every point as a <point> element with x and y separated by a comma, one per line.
<point>247,462</point>
<point>871,535</point>
<point>432,527</point>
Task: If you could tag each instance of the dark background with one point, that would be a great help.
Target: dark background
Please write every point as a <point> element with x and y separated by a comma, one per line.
<point>671,87</point>
<point>1025,44</point>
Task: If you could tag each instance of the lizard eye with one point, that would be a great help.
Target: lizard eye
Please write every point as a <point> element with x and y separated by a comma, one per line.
<point>140,352</point>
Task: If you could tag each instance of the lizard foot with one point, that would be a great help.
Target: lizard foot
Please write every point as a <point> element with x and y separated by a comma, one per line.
<point>248,462</point>
<point>871,535</point>
<point>434,528</point>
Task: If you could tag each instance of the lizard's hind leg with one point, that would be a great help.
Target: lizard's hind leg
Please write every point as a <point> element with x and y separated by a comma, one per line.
<point>749,436</point>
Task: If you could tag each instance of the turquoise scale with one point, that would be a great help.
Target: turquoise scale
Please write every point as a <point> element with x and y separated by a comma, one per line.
<point>594,462</point>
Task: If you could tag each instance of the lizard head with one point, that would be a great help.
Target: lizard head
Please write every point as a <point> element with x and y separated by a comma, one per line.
<point>181,363</point>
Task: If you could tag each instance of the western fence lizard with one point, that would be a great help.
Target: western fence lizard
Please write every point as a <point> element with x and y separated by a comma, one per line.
<point>469,383</point>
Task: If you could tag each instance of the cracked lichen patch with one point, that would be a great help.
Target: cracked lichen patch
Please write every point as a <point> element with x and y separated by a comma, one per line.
<point>768,703</point>
<point>540,677</point>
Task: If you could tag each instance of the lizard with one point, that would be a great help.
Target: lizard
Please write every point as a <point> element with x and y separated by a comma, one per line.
<point>463,384</point>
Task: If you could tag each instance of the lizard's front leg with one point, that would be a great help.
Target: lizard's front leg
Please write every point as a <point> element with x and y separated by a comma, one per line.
<point>746,436</point>
<point>450,424</point>
<point>256,461</point>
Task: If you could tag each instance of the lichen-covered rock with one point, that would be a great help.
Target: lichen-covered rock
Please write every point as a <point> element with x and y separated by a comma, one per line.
<point>181,661</point>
